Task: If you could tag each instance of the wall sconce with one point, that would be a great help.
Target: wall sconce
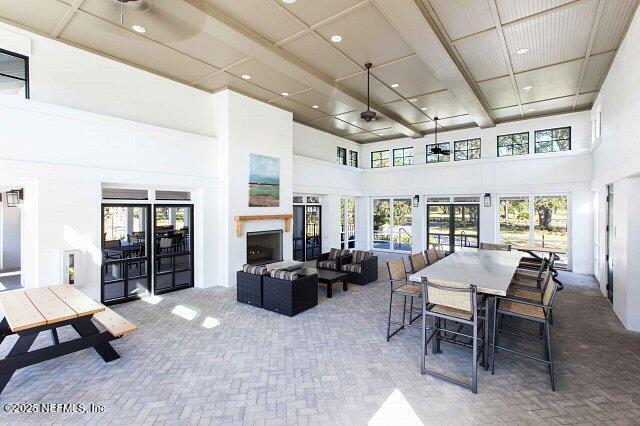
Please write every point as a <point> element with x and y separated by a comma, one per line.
<point>487,200</point>
<point>13,197</point>
<point>416,201</point>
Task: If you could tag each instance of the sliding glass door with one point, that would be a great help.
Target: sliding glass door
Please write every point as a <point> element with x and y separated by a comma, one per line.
<point>126,270</point>
<point>173,247</point>
<point>453,225</point>
<point>392,224</point>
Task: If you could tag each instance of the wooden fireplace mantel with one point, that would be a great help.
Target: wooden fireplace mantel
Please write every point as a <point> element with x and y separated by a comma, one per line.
<point>239,220</point>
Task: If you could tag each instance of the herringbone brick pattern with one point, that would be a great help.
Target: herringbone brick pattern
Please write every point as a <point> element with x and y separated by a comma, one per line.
<point>329,365</point>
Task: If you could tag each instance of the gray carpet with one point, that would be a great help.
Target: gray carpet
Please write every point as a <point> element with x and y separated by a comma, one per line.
<point>201,357</point>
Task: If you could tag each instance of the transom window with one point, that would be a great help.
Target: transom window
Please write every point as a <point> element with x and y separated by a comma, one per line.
<point>342,155</point>
<point>513,144</point>
<point>14,74</point>
<point>467,149</point>
<point>441,155</point>
<point>379,159</point>
<point>403,156</point>
<point>353,158</point>
<point>553,140</point>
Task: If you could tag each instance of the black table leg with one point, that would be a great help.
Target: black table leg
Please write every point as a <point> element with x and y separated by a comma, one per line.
<point>54,336</point>
<point>329,289</point>
<point>22,346</point>
<point>345,285</point>
<point>86,328</point>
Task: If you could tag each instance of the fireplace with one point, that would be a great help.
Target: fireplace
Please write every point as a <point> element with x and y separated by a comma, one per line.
<point>264,247</point>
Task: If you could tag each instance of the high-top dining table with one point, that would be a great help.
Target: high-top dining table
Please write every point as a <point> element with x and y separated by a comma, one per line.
<point>491,271</point>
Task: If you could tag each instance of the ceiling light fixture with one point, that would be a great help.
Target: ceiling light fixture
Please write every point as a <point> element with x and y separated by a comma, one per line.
<point>394,85</point>
<point>289,1</point>
<point>285,94</point>
<point>424,108</point>
<point>315,106</point>
<point>527,88</point>
<point>413,100</point>
<point>354,123</point>
<point>246,77</point>
<point>522,51</point>
<point>336,38</point>
<point>531,109</point>
<point>139,29</point>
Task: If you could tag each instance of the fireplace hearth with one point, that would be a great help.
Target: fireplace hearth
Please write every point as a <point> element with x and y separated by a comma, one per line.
<point>264,247</point>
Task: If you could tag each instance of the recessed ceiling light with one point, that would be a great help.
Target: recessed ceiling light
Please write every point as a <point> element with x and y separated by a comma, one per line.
<point>285,94</point>
<point>138,28</point>
<point>531,109</point>
<point>394,85</point>
<point>527,88</point>
<point>314,106</point>
<point>336,38</point>
<point>424,108</point>
<point>354,123</point>
<point>522,51</point>
<point>289,1</point>
<point>413,100</point>
<point>246,77</point>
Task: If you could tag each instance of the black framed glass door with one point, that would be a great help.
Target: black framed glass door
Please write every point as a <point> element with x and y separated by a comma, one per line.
<point>453,225</point>
<point>126,270</point>
<point>173,247</point>
<point>307,232</point>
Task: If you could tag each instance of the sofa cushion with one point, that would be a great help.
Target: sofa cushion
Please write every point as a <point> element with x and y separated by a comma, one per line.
<point>352,267</point>
<point>336,253</point>
<point>255,269</point>
<point>283,274</point>
<point>360,255</point>
<point>327,264</point>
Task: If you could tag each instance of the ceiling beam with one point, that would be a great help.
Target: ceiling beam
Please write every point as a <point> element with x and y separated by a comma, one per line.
<point>73,8</point>
<point>233,33</point>
<point>418,30</point>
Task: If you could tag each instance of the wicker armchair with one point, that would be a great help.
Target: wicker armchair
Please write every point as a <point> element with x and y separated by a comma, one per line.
<point>361,267</point>
<point>334,259</point>
<point>249,284</point>
<point>288,293</point>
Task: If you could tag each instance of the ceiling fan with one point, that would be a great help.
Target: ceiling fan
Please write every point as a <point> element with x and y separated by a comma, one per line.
<point>368,115</point>
<point>436,148</point>
<point>156,15</point>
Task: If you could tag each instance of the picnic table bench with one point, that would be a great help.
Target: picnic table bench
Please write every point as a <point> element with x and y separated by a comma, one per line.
<point>29,312</point>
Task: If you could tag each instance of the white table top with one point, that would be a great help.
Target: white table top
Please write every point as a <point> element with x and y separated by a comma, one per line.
<point>491,271</point>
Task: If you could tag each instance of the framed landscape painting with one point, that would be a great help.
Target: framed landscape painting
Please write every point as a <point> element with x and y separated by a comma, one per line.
<point>264,181</point>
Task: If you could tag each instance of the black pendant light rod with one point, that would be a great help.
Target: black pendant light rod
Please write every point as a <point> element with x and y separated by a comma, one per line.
<point>368,67</point>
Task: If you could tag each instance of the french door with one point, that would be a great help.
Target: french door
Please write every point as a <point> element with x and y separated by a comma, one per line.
<point>453,225</point>
<point>173,247</point>
<point>126,267</point>
<point>307,232</point>
<point>392,224</point>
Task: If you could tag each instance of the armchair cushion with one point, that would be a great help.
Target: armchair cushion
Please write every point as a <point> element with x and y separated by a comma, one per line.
<point>360,255</point>
<point>327,264</point>
<point>352,267</point>
<point>255,269</point>
<point>282,274</point>
<point>335,253</point>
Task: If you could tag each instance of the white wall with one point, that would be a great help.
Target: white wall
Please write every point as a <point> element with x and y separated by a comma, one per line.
<point>250,127</point>
<point>62,163</point>
<point>616,159</point>
<point>312,143</point>
<point>63,75</point>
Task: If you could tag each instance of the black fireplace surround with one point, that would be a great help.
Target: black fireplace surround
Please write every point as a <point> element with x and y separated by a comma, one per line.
<point>264,247</point>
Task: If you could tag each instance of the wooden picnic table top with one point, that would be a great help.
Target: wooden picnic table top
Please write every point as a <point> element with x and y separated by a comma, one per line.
<point>30,308</point>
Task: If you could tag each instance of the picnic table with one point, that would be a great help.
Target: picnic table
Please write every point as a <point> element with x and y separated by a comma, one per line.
<point>29,312</point>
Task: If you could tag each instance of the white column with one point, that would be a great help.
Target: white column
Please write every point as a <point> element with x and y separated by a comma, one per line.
<point>418,227</point>
<point>330,222</point>
<point>363,223</point>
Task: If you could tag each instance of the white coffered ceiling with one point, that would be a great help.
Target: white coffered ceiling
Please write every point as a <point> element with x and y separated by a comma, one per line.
<point>454,59</point>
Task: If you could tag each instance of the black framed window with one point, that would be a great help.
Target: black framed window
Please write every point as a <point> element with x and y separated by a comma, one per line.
<point>553,140</point>
<point>403,156</point>
<point>353,158</point>
<point>468,149</point>
<point>379,159</point>
<point>342,155</point>
<point>438,157</point>
<point>513,144</point>
<point>14,74</point>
